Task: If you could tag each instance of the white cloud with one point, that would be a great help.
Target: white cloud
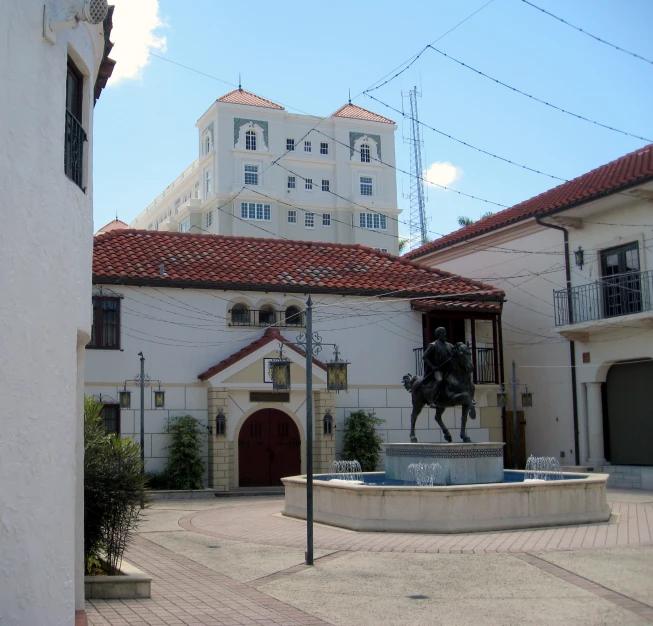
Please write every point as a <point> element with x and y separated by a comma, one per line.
<point>442,173</point>
<point>134,23</point>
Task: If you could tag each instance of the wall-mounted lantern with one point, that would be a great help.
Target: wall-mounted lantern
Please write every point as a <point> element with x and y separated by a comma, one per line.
<point>327,420</point>
<point>502,398</point>
<point>527,398</point>
<point>159,398</point>
<point>337,373</point>
<point>580,257</point>
<point>280,372</point>
<point>125,398</point>
<point>220,424</point>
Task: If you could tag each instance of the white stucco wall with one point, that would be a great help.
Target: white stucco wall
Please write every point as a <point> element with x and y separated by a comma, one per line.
<point>226,159</point>
<point>45,254</point>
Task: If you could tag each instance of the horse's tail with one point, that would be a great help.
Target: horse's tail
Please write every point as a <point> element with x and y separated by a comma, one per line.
<point>409,381</point>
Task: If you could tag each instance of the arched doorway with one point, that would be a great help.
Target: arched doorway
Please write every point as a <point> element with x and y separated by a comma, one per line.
<point>630,414</point>
<point>269,448</point>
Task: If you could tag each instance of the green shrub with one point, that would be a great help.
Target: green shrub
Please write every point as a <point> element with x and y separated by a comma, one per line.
<point>157,480</point>
<point>114,490</point>
<point>362,443</point>
<point>185,469</point>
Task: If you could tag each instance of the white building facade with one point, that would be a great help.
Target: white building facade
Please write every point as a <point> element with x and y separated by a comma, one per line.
<point>50,79</point>
<point>575,265</point>
<point>333,183</point>
<point>211,311</point>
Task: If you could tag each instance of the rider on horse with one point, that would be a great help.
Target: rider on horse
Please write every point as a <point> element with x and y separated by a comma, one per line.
<point>437,362</point>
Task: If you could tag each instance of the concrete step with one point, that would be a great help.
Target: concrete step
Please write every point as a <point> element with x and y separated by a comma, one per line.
<point>251,491</point>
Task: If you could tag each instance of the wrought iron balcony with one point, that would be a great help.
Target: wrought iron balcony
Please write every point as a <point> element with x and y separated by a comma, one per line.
<point>621,294</point>
<point>484,371</point>
<point>291,317</point>
<point>75,137</point>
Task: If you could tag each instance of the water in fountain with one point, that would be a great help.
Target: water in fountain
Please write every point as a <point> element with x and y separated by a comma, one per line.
<point>542,468</point>
<point>349,471</point>
<point>427,474</point>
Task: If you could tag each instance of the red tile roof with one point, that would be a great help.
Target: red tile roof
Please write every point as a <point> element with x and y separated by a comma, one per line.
<point>632,169</point>
<point>359,113</point>
<point>112,225</point>
<point>146,257</point>
<point>270,335</point>
<point>447,305</point>
<point>240,96</point>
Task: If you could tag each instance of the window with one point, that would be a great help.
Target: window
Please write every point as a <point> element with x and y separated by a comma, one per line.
<point>292,217</point>
<point>255,211</point>
<point>291,182</point>
<point>207,182</point>
<point>290,145</point>
<point>251,174</point>
<point>184,227</point>
<point>267,316</point>
<point>373,220</point>
<point>365,153</point>
<point>366,185</point>
<point>381,249</point>
<point>324,147</point>
<point>326,219</point>
<point>293,316</point>
<point>325,184</point>
<point>208,219</point>
<point>250,140</point>
<point>74,133</point>
<point>197,192</point>
<point>622,289</point>
<point>307,146</point>
<point>240,315</point>
<point>309,220</point>
<point>111,418</point>
<point>207,143</point>
<point>105,332</point>
<point>308,184</point>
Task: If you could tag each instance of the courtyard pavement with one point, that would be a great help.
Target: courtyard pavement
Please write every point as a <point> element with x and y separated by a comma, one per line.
<point>239,561</point>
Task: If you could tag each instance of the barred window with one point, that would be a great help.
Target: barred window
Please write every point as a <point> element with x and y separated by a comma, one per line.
<point>111,418</point>
<point>105,332</point>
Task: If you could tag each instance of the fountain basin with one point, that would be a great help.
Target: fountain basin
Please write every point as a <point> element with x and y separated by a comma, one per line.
<point>512,504</point>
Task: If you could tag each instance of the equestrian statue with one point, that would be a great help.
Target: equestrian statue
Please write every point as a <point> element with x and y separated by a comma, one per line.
<point>447,382</point>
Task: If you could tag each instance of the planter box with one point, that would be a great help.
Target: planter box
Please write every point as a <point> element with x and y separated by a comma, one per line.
<point>131,583</point>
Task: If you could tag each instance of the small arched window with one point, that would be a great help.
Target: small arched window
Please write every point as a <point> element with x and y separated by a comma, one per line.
<point>365,153</point>
<point>240,315</point>
<point>293,316</point>
<point>267,316</point>
<point>250,140</point>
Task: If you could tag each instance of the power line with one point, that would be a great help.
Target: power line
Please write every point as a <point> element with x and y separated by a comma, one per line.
<point>523,93</point>
<point>580,30</point>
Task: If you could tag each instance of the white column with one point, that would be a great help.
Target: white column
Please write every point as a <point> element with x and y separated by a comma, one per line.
<point>583,451</point>
<point>595,424</point>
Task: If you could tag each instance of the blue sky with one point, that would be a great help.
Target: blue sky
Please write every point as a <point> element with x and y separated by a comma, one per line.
<point>307,57</point>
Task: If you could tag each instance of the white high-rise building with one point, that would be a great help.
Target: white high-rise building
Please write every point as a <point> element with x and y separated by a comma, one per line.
<point>265,172</point>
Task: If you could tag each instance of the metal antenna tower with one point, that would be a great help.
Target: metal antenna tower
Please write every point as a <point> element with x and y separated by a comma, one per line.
<point>417,220</point>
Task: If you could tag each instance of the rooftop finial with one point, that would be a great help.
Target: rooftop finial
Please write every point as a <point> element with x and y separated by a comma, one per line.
<point>240,87</point>
<point>350,95</point>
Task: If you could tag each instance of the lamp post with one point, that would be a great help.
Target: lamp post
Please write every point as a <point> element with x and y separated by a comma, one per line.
<point>312,344</point>
<point>142,380</point>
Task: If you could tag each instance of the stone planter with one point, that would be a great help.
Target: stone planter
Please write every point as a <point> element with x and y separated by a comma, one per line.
<point>131,583</point>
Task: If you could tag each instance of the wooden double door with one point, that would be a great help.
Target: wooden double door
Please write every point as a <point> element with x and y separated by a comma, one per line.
<point>269,449</point>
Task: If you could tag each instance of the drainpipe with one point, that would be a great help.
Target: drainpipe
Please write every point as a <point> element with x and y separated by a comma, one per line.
<point>572,344</point>
<point>501,375</point>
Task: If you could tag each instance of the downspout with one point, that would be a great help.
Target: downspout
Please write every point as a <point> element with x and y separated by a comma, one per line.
<point>501,377</point>
<point>572,344</point>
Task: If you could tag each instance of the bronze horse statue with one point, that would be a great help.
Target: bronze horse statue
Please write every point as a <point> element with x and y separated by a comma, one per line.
<point>458,390</point>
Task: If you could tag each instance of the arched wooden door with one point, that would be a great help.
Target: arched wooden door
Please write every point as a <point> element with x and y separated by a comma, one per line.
<point>268,449</point>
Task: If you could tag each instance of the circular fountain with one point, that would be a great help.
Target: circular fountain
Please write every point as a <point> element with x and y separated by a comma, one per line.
<point>450,488</point>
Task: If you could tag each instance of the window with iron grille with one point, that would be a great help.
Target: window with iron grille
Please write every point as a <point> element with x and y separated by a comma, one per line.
<point>325,184</point>
<point>111,418</point>
<point>292,217</point>
<point>308,184</point>
<point>75,136</point>
<point>307,146</point>
<point>255,211</point>
<point>309,220</point>
<point>251,174</point>
<point>290,145</point>
<point>240,314</point>
<point>250,140</point>
<point>365,153</point>
<point>326,219</point>
<point>105,332</point>
<point>324,147</point>
<point>291,182</point>
<point>373,221</point>
<point>366,185</point>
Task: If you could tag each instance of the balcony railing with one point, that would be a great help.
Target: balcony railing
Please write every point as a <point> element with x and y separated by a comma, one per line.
<point>74,149</point>
<point>483,358</point>
<point>622,294</point>
<point>266,317</point>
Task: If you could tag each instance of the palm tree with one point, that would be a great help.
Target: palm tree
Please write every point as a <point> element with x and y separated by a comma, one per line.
<point>465,221</point>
